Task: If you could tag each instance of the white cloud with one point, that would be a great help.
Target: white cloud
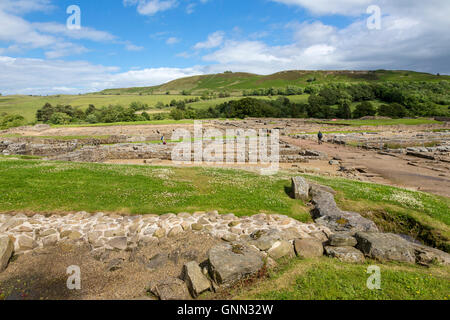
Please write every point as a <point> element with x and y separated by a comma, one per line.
<point>214,40</point>
<point>172,40</point>
<point>54,38</point>
<point>151,7</point>
<point>346,7</point>
<point>25,6</point>
<point>39,76</point>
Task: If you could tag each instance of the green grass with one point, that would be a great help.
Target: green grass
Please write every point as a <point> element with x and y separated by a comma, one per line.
<point>136,123</point>
<point>336,132</point>
<point>28,105</point>
<point>329,279</point>
<point>236,82</point>
<point>38,186</point>
<point>380,122</point>
<point>418,214</point>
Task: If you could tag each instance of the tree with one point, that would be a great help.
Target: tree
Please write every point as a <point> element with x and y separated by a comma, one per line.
<point>90,110</point>
<point>92,118</point>
<point>344,111</point>
<point>44,114</point>
<point>177,114</point>
<point>394,110</point>
<point>60,118</point>
<point>145,115</point>
<point>364,109</point>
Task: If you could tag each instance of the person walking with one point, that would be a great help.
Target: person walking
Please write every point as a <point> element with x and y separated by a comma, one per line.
<point>320,137</point>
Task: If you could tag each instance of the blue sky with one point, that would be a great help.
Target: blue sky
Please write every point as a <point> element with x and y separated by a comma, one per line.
<point>146,42</point>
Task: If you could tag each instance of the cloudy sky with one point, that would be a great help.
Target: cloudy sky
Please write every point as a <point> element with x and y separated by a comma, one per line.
<point>124,43</point>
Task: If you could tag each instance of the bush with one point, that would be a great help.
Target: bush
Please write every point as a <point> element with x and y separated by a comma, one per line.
<point>177,114</point>
<point>92,118</point>
<point>363,110</point>
<point>10,121</point>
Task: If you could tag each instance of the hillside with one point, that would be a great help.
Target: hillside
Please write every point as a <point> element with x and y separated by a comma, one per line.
<point>242,81</point>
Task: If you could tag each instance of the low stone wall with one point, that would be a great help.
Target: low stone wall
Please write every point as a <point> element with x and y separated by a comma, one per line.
<point>123,232</point>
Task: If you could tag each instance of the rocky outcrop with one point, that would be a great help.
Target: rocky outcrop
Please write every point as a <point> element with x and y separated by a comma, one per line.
<point>327,213</point>
<point>229,263</point>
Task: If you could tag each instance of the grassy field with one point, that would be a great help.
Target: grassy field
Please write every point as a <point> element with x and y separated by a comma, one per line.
<point>380,122</point>
<point>328,279</point>
<point>28,105</point>
<point>35,186</point>
<point>135,123</point>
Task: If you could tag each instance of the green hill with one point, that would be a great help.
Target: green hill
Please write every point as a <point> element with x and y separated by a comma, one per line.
<point>241,81</point>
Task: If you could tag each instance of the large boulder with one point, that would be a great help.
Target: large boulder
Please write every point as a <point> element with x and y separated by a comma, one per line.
<point>342,239</point>
<point>385,247</point>
<point>300,188</point>
<point>308,248</point>
<point>265,239</point>
<point>345,254</point>
<point>170,289</point>
<point>228,263</point>
<point>195,279</point>
<point>281,249</point>
<point>6,250</point>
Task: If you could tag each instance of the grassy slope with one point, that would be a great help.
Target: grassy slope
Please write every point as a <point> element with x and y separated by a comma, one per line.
<point>328,279</point>
<point>240,81</point>
<point>27,105</point>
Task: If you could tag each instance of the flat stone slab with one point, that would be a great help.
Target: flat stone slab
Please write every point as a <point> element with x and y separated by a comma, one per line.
<point>342,239</point>
<point>327,213</point>
<point>228,263</point>
<point>385,247</point>
<point>6,250</point>
<point>170,289</point>
<point>195,279</point>
<point>300,188</point>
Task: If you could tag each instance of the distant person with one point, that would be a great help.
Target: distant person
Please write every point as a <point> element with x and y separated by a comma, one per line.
<point>320,137</point>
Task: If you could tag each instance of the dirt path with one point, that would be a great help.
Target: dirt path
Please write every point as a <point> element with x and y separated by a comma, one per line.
<point>384,168</point>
